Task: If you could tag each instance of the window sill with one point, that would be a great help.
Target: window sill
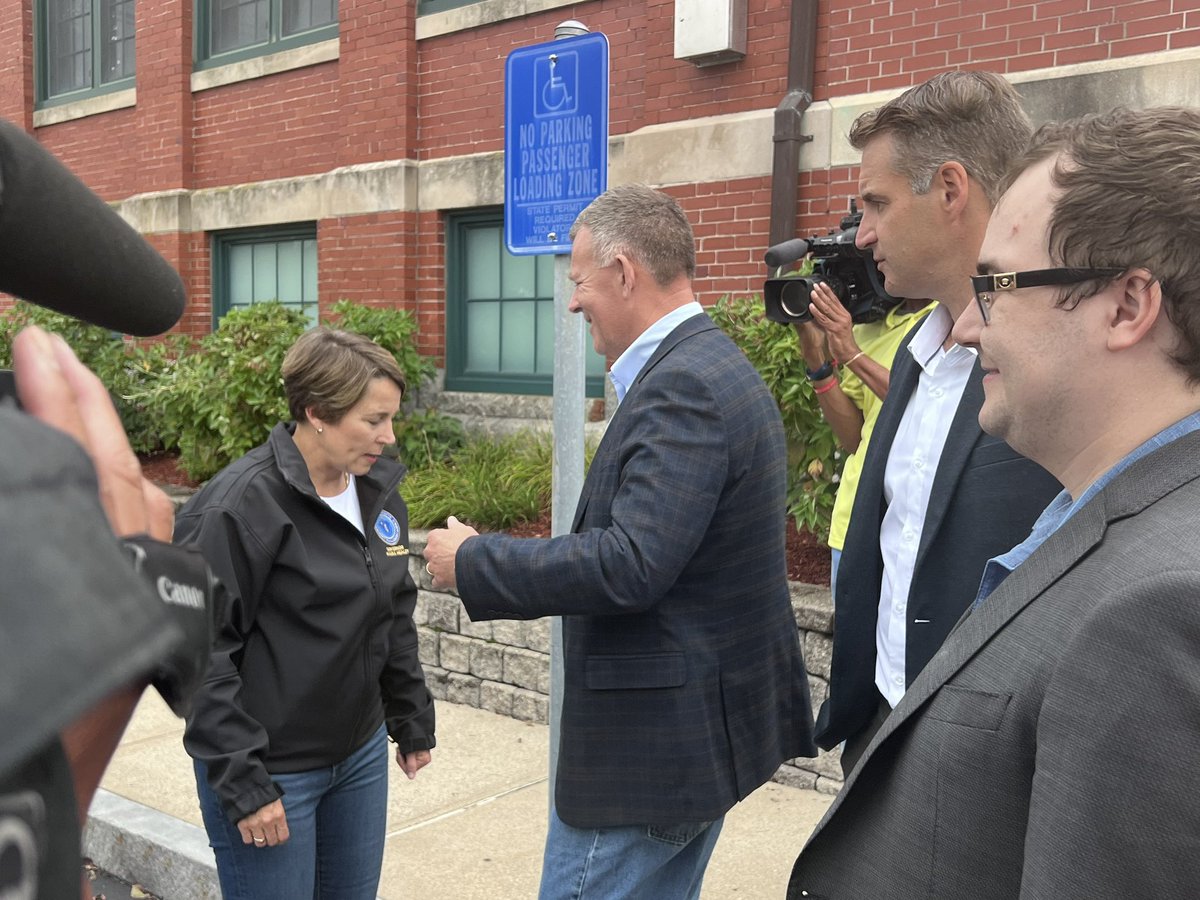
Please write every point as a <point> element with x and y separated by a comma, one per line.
<point>90,106</point>
<point>267,64</point>
<point>483,13</point>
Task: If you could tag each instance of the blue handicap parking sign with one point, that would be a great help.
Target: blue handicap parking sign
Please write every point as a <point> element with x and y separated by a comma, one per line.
<point>555,139</point>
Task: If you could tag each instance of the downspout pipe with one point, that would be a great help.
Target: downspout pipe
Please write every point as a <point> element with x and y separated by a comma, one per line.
<point>789,114</point>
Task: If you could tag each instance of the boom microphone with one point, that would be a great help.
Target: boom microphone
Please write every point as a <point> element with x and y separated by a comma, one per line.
<point>788,251</point>
<point>64,248</point>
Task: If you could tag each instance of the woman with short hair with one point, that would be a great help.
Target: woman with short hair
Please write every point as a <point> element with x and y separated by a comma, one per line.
<point>316,664</point>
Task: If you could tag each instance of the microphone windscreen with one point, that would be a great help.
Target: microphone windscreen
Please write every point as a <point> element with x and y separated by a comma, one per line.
<point>788,251</point>
<point>64,248</point>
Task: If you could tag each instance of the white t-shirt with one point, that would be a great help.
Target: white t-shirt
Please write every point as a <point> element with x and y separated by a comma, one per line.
<point>346,505</point>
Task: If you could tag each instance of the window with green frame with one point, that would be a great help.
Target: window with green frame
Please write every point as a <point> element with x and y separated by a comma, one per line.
<point>500,313</point>
<point>232,30</point>
<point>254,265</point>
<point>84,47</point>
<point>432,6</point>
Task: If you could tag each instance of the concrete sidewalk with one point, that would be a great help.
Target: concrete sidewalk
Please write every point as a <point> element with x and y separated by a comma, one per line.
<point>470,827</point>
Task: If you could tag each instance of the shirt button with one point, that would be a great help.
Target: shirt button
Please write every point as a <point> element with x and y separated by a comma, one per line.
<point>936,393</point>
<point>909,535</point>
<point>898,680</point>
<point>900,608</point>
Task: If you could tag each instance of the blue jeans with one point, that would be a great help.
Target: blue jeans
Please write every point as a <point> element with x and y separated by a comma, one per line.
<point>637,862</point>
<point>336,817</point>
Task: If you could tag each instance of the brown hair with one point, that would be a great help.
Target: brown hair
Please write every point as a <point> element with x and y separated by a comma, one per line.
<point>1129,183</point>
<point>973,118</point>
<point>330,371</point>
<point>644,224</point>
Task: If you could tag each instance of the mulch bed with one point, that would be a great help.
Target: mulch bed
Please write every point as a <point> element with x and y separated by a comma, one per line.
<point>807,557</point>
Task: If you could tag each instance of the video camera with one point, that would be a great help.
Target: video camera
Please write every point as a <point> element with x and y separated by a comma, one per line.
<point>849,272</point>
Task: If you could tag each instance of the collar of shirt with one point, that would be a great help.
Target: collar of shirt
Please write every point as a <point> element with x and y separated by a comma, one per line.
<point>1063,507</point>
<point>926,345</point>
<point>630,363</point>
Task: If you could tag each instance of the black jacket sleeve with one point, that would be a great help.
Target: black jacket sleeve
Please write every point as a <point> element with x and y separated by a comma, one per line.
<point>220,733</point>
<point>407,703</point>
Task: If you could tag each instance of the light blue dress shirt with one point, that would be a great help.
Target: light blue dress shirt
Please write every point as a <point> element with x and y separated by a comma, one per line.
<point>630,363</point>
<point>1062,507</point>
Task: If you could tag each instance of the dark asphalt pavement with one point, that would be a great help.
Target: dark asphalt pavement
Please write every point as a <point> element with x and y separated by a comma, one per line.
<point>105,886</point>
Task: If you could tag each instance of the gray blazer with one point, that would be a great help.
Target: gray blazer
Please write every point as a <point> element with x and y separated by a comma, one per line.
<point>684,684</point>
<point>1049,748</point>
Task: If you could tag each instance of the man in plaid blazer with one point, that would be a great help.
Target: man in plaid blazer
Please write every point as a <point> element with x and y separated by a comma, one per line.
<point>684,684</point>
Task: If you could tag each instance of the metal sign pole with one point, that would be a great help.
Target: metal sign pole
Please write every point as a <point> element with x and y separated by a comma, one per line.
<point>555,164</point>
<point>569,337</point>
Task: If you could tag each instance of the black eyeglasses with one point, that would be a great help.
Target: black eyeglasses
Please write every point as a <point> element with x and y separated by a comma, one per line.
<point>986,286</point>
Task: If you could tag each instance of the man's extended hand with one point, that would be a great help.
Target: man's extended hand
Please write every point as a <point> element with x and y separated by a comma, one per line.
<point>439,552</point>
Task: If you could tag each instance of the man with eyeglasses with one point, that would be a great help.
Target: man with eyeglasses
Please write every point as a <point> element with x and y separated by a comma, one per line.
<point>1048,749</point>
<point>936,497</point>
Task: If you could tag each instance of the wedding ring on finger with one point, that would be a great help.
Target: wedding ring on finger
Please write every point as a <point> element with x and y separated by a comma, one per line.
<point>259,840</point>
<point>427,572</point>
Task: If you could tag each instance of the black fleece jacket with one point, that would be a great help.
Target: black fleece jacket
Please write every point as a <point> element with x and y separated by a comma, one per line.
<point>319,645</point>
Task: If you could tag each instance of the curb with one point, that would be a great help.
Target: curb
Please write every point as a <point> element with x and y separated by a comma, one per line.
<point>167,856</point>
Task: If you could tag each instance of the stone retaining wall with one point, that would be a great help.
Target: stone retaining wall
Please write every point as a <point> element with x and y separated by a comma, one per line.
<point>504,666</point>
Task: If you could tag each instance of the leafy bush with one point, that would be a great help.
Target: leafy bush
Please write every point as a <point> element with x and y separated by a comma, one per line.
<point>394,330</point>
<point>124,366</point>
<point>813,460</point>
<point>224,397</point>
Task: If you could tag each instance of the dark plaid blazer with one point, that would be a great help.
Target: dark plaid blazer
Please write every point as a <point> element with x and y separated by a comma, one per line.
<point>684,684</point>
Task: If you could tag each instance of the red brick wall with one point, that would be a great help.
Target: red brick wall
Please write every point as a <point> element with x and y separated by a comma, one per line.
<point>429,293</point>
<point>871,46</point>
<point>367,259</point>
<point>16,62</point>
<point>462,74</point>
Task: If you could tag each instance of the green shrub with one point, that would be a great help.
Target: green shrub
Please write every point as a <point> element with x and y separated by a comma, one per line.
<point>224,397</point>
<point>813,460</point>
<point>125,367</point>
<point>393,329</point>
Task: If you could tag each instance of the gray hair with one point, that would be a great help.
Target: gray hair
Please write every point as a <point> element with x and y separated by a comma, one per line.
<point>973,118</point>
<point>643,224</point>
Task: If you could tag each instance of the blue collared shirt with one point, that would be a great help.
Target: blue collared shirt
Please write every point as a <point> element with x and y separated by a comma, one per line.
<point>630,363</point>
<point>1062,507</point>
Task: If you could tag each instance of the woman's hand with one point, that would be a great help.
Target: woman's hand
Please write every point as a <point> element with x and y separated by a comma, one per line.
<point>266,827</point>
<point>413,762</point>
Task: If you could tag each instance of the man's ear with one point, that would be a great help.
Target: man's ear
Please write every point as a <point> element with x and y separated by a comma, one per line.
<point>952,184</point>
<point>1137,309</point>
<point>627,271</point>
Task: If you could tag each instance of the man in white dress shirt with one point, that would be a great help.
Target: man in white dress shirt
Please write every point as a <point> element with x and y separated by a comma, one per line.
<point>938,497</point>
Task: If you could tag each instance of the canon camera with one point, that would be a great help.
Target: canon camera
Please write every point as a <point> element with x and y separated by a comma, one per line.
<point>850,273</point>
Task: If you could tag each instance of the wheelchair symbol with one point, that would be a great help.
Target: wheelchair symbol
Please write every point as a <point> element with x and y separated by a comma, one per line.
<point>555,84</point>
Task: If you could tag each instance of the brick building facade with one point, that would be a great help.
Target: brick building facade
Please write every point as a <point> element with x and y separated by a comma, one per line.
<point>355,146</point>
